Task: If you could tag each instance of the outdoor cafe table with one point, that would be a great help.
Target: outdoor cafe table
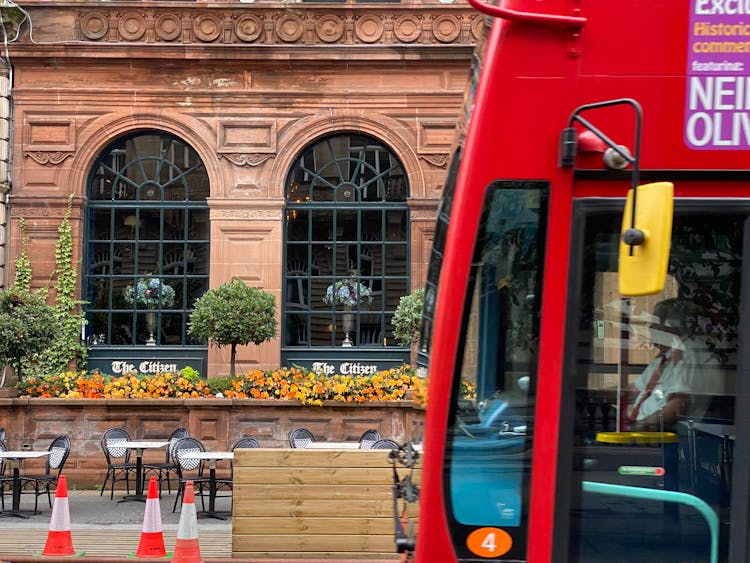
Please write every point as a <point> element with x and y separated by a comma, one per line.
<point>17,458</point>
<point>138,446</point>
<point>212,458</point>
<point>332,446</point>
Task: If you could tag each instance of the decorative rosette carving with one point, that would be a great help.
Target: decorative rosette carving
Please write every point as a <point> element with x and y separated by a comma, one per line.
<point>94,25</point>
<point>248,28</point>
<point>407,28</point>
<point>369,28</point>
<point>207,27</point>
<point>131,26</point>
<point>289,28</point>
<point>168,27</point>
<point>329,28</point>
<point>446,28</point>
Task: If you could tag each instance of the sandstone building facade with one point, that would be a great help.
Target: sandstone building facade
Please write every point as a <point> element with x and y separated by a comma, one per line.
<point>298,146</point>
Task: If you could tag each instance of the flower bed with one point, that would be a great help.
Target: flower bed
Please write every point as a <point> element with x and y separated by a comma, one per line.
<point>309,388</point>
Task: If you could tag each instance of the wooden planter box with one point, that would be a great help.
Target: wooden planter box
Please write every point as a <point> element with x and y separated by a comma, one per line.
<point>314,504</point>
<point>218,423</point>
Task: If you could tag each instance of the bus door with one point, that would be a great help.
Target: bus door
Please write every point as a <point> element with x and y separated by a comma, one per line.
<point>651,456</point>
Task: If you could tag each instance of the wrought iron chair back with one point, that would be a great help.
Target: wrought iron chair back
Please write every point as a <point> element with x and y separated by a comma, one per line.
<point>119,466</point>
<point>40,484</point>
<point>300,438</point>
<point>385,444</point>
<point>368,438</point>
<point>189,469</point>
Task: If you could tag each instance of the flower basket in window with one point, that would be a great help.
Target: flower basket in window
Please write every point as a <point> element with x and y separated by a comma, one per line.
<point>150,293</point>
<point>351,294</point>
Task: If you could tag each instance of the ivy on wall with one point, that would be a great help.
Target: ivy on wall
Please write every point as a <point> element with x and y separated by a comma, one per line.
<point>60,291</point>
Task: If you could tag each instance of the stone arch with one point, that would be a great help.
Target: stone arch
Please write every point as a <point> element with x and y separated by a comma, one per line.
<point>303,132</point>
<point>107,129</point>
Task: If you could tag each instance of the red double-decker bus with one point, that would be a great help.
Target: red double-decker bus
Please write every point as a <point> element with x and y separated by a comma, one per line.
<point>585,404</point>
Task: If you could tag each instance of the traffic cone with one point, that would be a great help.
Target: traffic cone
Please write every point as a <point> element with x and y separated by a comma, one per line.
<point>59,540</point>
<point>187,548</point>
<point>152,539</point>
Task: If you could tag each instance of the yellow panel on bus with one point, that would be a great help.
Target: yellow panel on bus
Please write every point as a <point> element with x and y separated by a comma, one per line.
<point>643,267</point>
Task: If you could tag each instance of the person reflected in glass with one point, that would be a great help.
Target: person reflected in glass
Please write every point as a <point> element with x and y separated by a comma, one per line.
<point>664,385</point>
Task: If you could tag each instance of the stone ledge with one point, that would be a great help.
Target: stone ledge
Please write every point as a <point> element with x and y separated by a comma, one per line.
<point>209,401</point>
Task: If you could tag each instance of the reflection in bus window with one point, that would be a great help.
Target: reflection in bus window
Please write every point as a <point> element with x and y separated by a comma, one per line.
<point>654,384</point>
<point>489,454</point>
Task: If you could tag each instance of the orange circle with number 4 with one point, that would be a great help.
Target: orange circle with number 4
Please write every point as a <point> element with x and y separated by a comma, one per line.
<point>489,542</point>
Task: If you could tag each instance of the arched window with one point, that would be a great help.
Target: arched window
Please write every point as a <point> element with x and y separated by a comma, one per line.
<point>347,226</point>
<point>147,241</point>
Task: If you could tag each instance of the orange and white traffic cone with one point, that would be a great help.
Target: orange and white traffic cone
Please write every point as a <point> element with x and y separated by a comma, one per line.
<point>152,538</point>
<point>59,540</point>
<point>187,548</point>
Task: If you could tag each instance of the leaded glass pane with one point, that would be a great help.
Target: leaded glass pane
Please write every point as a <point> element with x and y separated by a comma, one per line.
<point>147,220</point>
<point>346,205</point>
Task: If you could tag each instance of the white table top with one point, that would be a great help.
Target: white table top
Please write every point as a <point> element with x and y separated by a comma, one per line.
<point>207,455</point>
<point>137,444</point>
<point>332,446</point>
<point>23,454</point>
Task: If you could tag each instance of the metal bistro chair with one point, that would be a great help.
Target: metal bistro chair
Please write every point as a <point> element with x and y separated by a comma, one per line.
<point>300,438</point>
<point>119,466</point>
<point>189,469</point>
<point>169,466</point>
<point>368,438</point>
<point>41,483</point>
<point>385,444</point>
<point>4,479</point>
<point>226,483</point>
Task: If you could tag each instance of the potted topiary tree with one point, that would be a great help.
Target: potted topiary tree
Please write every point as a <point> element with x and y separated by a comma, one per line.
<point>27,327</point>
<point>407,321</point>
<point>234,314</point>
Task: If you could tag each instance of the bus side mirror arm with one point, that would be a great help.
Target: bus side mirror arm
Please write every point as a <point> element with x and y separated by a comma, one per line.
<point>568,146</point>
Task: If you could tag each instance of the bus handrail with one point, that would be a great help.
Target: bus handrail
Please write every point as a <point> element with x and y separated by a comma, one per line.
<point>667,496</point>
<point>575,22</point>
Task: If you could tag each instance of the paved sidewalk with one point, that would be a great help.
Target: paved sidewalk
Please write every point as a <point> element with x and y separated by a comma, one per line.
<point>109,531</point>
<point>103,527</point>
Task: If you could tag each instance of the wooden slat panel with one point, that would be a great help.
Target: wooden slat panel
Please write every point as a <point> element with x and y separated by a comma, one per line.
<point>295,508</point>
<point>322,492</point>
<point>314,503</point>
<point>276,457</point>
<point>314,476</point>
<point>321,525</point>
<point>300,543</point>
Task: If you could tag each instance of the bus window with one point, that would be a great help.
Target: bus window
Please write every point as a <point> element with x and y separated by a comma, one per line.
<point>654,380</point>
<point>489,453</point>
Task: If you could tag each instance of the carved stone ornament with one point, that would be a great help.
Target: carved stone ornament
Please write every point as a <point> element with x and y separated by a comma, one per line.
<point>51,158</point>
<point>347,25</point>
<point>439,160</point>
<point>247,214</point>
<point>239,159</point>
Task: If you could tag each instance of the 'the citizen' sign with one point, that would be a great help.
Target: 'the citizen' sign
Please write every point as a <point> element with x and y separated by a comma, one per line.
<point>121,367</point>
<point>347,361</point>
<point>345,368</point>
<point>121,362</point>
